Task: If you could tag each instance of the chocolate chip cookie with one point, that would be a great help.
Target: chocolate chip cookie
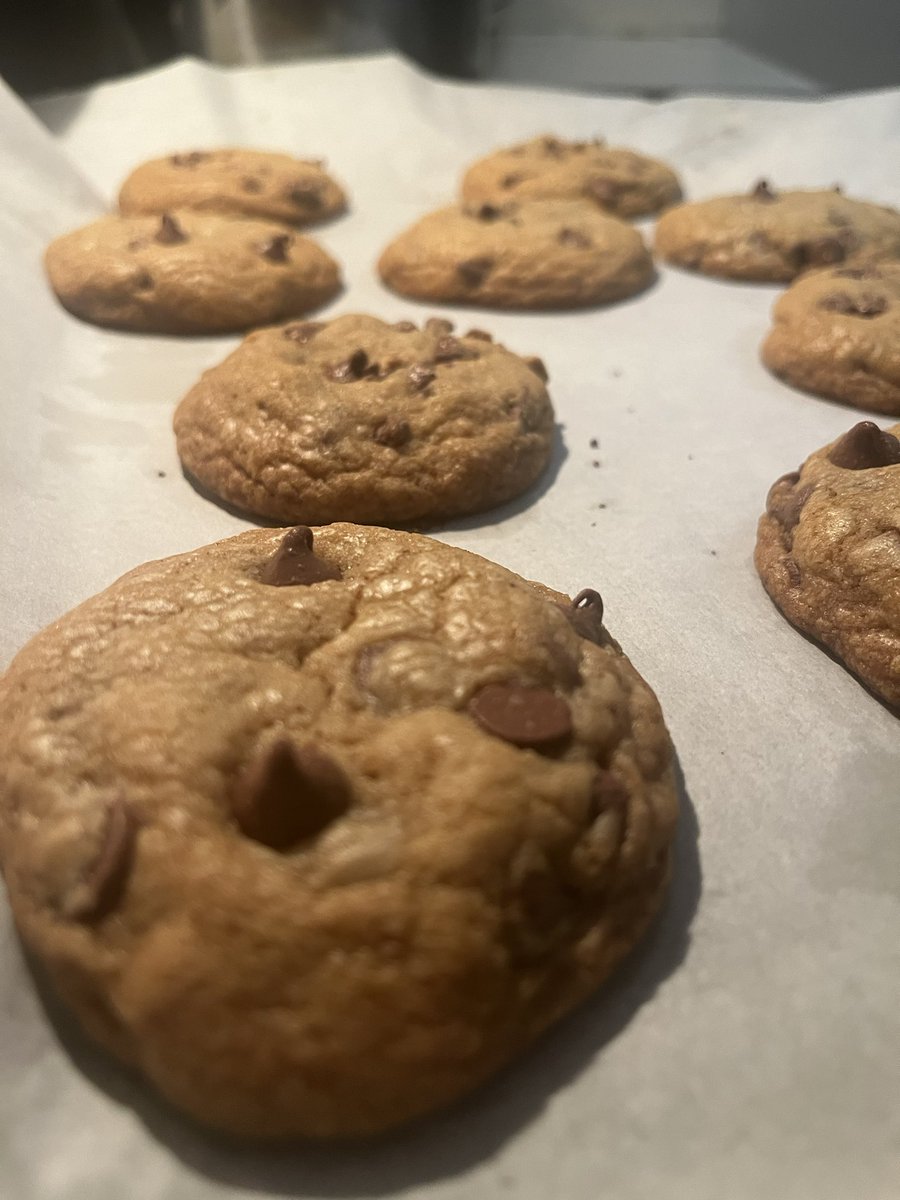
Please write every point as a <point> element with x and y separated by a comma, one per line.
<point>828,552</point>
<point>837,333</point>
<point>359,420</point>
<point>320,829</point>
<point>241,183</point>
<point>551,168</point>
<point>772,236</point>
<point>537,254</point>
<point>188,272</point>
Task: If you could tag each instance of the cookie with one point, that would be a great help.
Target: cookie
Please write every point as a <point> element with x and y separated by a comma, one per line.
<point>319,830</point>
<point>550,168</point>
<point>239,183</point>
<point>187,272</point>
<point>771,236</point>
<point>828,552</point>
<point>538,254</point>
<point>358,420</point>
<point>837,333</point>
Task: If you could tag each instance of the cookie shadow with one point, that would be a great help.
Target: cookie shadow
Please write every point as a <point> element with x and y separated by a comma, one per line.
<point>438,1147</point>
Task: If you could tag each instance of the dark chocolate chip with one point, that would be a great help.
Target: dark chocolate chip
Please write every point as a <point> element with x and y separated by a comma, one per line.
<point>303,332</point>
<point>188,160</point>
<point>405,326</point>
<point>251,184</point>
<point>98,892</point>
<point>419,376</point>
<point>585,614</point>
<point>572,237</point>
<point>865,446</point>
<point>762,191</point>
<point>170,232</point>
<point>295,563</point>
<point>438,325</point>
<point>392,432</point>
<point>352,368</point>
<point>511,181</point>
<point>604,191</point>
<point>276,248</point>
<point>289,793</point>
<point>450,348</point>
<point>305,195</point>
<point>480,335</point>
<point>473,271</point>
<point>866,305</point>
<point>522,715</point>
<point>793,572</point>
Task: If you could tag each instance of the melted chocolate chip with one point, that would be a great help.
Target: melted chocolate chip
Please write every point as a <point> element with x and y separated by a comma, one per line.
<point>473,270</point>
<point>523,715</point>
<point>303,332</point>
<point>295,563</point>
<point>188,160</point>
<point>865,446</point>
<point>352,368</point>
<point>604,191</point>
<point>101,887</point>
<point>250,184</point>
<point>449,349</point>
<point>392,432</point>
<point>585,614</point>
<point>438,325</point>
<point>170,232</point>
<point>276,248</point>
<point>854,306</point>
<point>305,195</point>
<point>572,237</point>
<point>480,335</point>
<point>537,365</point>
<point>404,326</point>
<point>823,251</point>
<point>762,191</point>
<point>289,793</point>
<point>418,377</point>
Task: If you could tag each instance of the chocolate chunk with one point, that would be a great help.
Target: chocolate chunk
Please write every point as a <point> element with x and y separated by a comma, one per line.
<point>250,184</point>
<point>276,248</point>
<point>419,376</point>
<point>480,335</point>
<point>607,792</point>
<point>537,365</point>
<point>392,432</point>
<point>865,446</point>
<point>295,563</point>
<point>793,572</point>
<point>787,507</point>
<point>303,331</point>
<point>604,191</point>
<point>404,326</point>
<point>821,252</point>
<point>99,890</point>
<point>188,160</point>
<point>572,237</point>
<point>449,349</point>
<point>170,232</point>
<point>585,615</point>
<point>305,195</point>
<point>352,368</point>
<point>866,305</point>
<point>473,270</point>
<point>438,325</point>
<point>511,181</point>
<point>522,715</point>
<point>289,793</point>
<point>762,191</point>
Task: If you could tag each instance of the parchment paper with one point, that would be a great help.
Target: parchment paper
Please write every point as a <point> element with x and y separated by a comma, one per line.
<point>749,1049</point>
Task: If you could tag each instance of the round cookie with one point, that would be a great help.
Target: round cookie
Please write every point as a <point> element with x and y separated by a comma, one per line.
<point>828,552</point>
<point>319,834</point>
<point>240,183</point>
<point>837,333</point>
<point>358,420</point>
<point>550,168</point>
<point>538,254</point>
<point>188,272</point>
<point>771,236</point>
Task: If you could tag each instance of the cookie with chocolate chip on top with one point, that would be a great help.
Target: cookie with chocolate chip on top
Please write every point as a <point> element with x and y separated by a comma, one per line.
<point>531,255</point>
<point>828,552</point>
<point>359,419</point>
<point>618,181</point>
<point>188,273</point>
<point>234,182</point>
<point>837,333</point>
<point>318,829</point>
<point>773,236</point>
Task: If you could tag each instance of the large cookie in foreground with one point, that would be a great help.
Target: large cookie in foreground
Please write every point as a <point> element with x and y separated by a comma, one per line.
<point>828,552</point>
<point>358,420</point>
<point>537,254</point>
<point>320,834</point>
<point>771,236</point>
<point>236,182</point>
<point>837,333</point>
<point>187,272</point>
<point>547,168</point>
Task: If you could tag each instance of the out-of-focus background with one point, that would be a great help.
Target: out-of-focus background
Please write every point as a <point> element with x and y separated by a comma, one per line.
<point>644,47</point>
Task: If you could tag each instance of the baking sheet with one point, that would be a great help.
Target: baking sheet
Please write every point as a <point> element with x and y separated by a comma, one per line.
<point>749,1048</point>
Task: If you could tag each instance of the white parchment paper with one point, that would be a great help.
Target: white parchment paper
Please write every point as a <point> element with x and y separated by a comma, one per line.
<point>749,1049</point>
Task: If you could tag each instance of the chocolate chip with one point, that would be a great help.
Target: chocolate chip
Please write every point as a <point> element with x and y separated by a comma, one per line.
<point>392,432</point>
<point>480,335</point>
<point>793,572</point>
<point>522,715</point>
<point>352,368</point>
<point>572,237</point>
<point>276,248</point>
<point>604,191</point>
<point>303,332</point>
<point>404,326</point>
<point>511,181</point>
<point>305,195</point>
<point>854,306</point>
<point>473,270</point>
<point>865,446</point>
<point>553,146</point>
<point>489,212</point>
<point>188,160</point>
<point>99,890</point>
<point>295,563</point>
<point>533,363</point>
<point>449,349</point>
<point>143,281</point>
<point>786,508</point>
<point>607,792</point>
<point>585,614</point>
<point>438,325</point>
<point>821,252</point>
<point>289,793</point>
<point>419,376</point>
<point>169,232</point>
<point>762,191</point>
<point>250,184</point>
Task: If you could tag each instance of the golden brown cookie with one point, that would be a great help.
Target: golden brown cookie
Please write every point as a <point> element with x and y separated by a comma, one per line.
<point>236,182</point>
<point>356,419</point>
<point>771,236</point>
<point>551,168</point>
<point>837,333</point>
<point>828,552</point>
<point>188,272</point>
<point>320,830</point>
<point>538,254</point>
